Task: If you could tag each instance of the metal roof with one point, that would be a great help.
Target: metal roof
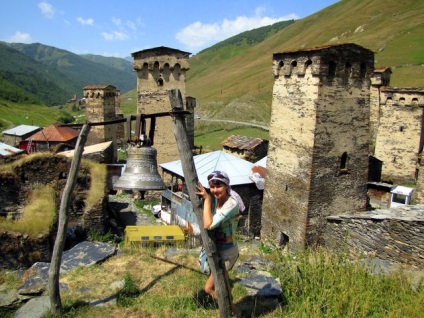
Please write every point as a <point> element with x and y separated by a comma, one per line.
<point>262,162</point>
<point>21,130</point>
<point>402,190</point>
<point>88,149</point>
<point>7,150</point>
<point>238,169</point>
<point>56,133</point>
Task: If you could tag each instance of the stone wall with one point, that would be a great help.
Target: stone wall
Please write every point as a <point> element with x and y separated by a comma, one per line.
<point>19,249</point>
<point>395,235</point>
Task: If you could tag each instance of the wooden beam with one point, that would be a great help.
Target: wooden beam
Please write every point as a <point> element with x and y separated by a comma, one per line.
<point>190,175</point>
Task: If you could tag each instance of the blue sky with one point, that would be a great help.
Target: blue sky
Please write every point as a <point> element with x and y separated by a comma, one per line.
<point>118,28</point>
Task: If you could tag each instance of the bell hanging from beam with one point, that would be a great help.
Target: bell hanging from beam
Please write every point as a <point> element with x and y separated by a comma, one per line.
<point>141,172</point>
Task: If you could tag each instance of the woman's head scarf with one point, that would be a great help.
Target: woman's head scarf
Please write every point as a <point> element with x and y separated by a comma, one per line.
<point>223,177</point>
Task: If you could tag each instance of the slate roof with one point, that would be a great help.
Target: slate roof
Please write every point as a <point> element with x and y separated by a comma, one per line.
<point>20,130</point>
<point>55,133</point>
<point>237,169</point>
<point>7,150</point>
<point>242,142</point>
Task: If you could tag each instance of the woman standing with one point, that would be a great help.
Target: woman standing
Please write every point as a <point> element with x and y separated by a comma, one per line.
<point>220,213</point>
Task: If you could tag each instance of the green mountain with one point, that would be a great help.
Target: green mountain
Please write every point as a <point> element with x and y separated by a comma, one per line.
<point>25,80</point>
<point>37,73</point>
<point>115,62</point>
<point>235,80</point>
<point>83,69</point>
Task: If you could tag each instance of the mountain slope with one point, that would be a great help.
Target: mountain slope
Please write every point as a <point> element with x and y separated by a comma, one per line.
<point>25,80</point>
<point>241,86</point>
<point>83,70</point>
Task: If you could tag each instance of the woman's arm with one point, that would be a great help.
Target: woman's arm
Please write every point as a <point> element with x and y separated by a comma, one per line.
<point>228,211</point>
<point>207,206</point>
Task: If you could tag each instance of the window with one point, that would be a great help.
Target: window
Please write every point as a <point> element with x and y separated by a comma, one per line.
<point>343,164</point>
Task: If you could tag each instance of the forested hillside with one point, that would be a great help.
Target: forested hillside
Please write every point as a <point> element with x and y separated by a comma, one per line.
<point>37,73</point>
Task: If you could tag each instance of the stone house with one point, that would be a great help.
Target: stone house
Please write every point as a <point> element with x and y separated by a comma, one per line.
<point>15,135</point>
<point>248,148</point>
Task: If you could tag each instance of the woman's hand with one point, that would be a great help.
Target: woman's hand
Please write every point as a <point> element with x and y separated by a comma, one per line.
<point>201,191</point>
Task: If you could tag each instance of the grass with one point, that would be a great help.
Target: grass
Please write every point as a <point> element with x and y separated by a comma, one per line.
<point>97,190</point>
<point>321,284</point>
<point>38,215</point>
<point>14,114</point>
<point>40,211</point>
<point>314,283</point>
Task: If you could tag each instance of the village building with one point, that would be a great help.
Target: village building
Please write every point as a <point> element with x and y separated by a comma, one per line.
<point>397,128</point>
<point>8,152</point>
<point>249,148</point>
<point>16,134</point>
<point>50,137</point>
<point>159,70</point>
<point>102,105</point>
<point>317,162</point>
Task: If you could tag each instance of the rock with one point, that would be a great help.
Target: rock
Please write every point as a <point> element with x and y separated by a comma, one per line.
<point>83,254</point>
<point>262,285</point>
<point>9,299</point>
<point>35,308</point>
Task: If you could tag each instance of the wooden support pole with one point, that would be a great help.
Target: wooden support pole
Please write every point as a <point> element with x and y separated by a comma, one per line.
<point>54,269</point>
<point>190,175</point>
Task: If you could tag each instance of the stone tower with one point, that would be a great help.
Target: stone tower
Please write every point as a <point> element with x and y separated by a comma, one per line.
<point>400,134</point>
<point>101,102</point>
<point>319,138</point>
<point>158,70</point>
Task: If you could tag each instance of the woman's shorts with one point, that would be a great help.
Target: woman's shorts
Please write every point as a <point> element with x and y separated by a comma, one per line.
<point>229,256</point>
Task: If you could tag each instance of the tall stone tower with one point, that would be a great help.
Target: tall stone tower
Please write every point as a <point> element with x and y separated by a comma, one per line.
<point>101,102</point>
<point>158,70</point>
<point>319,137</point>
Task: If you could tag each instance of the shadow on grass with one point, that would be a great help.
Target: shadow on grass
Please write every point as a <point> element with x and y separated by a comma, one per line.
<point>251,306</point>
<point>248,306</point>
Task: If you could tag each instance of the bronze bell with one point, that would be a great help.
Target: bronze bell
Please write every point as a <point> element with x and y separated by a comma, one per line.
<point>141,172</point>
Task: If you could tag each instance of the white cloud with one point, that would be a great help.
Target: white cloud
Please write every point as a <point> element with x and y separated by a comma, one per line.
<point>46,9</point>
<point>88,21</point>
<point>131,25</point>
<point>20,37</point>
<point>198,35</point>
<point>116,21</point>
<point>115,36</point>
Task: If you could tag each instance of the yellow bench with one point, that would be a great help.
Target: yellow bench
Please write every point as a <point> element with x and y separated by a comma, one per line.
<point>154,236</point>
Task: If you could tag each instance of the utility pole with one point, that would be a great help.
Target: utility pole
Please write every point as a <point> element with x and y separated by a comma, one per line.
<point>190,175</point>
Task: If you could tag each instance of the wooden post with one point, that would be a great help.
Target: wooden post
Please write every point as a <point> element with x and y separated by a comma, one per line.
<point>191,179</point>
<point>54,269</point>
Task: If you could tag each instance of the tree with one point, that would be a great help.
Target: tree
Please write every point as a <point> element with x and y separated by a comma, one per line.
<point>54,269</point>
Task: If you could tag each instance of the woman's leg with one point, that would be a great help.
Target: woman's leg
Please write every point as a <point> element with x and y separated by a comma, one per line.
<point>210,287</point>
